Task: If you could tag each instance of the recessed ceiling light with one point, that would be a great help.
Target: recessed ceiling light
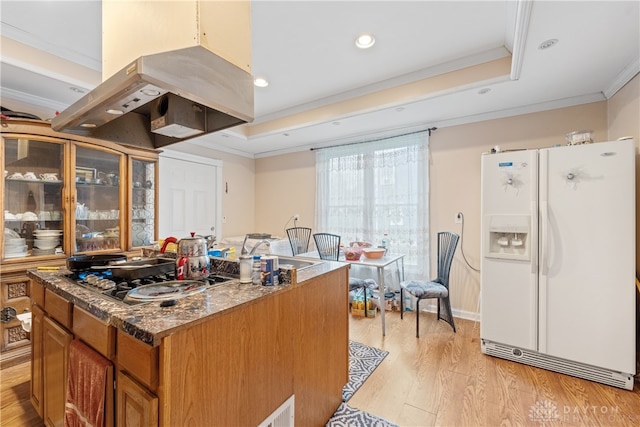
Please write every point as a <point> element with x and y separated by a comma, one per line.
<point>399,109</point>
<point>336,123</point>
<point>88,125</point>
<point>365,41</point>
<point>76,89</point>
<point>260,82</point>
<point>484,90</point>
<point>285,134</point>
<point>115,111</point>
<point>547,44</point>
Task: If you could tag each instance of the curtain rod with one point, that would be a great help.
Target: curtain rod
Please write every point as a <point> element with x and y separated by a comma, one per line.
<point>431,129</point>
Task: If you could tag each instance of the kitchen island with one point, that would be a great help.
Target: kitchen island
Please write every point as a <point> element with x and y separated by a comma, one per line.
<point>231,355</point>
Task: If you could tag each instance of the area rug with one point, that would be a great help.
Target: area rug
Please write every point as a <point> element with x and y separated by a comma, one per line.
<point>363,360</point>
<point>347,416</point>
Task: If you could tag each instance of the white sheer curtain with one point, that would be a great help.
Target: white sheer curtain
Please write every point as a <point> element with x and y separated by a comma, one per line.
<point>367,189</point>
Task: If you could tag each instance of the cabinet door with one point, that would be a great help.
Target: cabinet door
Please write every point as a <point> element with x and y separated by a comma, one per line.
<point>33,196</point>
<point>143,202</point>
<point>15,298</point>
<point>55,350</point>
<point>136,406</point>
<point>37,388</point>
<point>99,200</point>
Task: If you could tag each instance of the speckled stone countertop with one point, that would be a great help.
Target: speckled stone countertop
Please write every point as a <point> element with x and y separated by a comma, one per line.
<point>149,322</point>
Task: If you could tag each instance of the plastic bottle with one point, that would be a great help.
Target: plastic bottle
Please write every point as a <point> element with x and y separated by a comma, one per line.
<point>256,277</point>
<point>385,241</point>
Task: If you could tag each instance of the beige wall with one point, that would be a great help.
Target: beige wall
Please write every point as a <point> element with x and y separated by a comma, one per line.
<point>623,117</point>
<point>455,180</point>
<point>265,193</point>
<point>285,186</point>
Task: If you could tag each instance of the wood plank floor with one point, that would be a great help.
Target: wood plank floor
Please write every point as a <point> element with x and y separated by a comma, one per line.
<point>439,379</point>
<point>443,379</point>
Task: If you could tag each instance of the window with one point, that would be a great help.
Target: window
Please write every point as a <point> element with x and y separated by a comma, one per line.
<point>368,189</point>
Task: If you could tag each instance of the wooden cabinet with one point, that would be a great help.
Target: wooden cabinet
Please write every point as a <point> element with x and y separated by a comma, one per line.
<point>63,195</point>
<point>14,295</point>
<point>37,387</point>
<point>55,323</point>
<point>136,406</point>
<point>55,358</point>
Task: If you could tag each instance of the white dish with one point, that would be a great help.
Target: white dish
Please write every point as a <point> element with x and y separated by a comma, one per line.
<point>46,235</point>
<point>43,251</point>
<point>14,242</point>
<point>15,249</point>
<point>17,255</point>
<point>45,246</point>
<point>8,233</point>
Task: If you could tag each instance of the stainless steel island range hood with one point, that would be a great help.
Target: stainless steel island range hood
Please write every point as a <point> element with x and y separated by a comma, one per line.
<point>163,98</point>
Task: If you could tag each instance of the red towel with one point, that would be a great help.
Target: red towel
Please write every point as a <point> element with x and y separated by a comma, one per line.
<point>86,387</point>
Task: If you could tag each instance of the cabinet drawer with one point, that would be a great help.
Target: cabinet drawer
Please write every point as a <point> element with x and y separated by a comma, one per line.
<point>138,359</point>
<point>58,308</point>
<point>93,331</point>
<point>37,293</point>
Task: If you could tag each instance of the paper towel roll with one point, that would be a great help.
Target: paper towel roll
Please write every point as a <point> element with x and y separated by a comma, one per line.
<point>25,319</point>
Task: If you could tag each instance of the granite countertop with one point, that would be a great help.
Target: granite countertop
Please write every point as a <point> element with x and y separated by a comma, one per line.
<point>149,322</point>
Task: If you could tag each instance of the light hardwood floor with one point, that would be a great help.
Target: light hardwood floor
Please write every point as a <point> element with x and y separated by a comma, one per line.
<point>439,379</point>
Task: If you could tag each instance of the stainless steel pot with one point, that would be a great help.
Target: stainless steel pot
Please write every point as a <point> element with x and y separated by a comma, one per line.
<point>193,260</point>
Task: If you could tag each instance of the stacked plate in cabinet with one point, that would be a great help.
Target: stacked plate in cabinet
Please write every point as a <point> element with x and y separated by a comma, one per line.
<point>46,241</point>
<point>14,245</point>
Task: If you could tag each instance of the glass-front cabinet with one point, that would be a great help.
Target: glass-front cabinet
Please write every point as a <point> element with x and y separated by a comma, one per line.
<point>62,197</point>
<point>33,197</point>
<point>143,202</point>
<point>97,199</point>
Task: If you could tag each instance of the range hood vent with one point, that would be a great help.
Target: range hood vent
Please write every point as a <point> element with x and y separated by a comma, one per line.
<point>163,98</point>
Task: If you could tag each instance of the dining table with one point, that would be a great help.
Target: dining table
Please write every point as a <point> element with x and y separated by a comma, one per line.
<point>380,264</point>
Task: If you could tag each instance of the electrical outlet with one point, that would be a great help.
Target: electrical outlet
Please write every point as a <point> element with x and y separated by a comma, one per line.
<point>458,218</point>
<point>224,219</point>
<point>296,217</point>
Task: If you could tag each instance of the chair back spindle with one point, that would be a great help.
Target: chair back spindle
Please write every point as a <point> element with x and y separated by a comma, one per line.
<point>299,238</point>
<point>328,246</point>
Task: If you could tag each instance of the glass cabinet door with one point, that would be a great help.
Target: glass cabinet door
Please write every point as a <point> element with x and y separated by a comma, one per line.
<point>33,197</point>
<point>143,202</point>
<point>97,199</point>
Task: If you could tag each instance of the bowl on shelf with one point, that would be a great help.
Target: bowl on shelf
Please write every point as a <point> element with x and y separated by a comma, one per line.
<point>46,244</point>
<point>374,253</point>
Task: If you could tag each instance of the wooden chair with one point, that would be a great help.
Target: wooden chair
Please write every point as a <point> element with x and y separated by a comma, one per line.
<point>328,246</point>
<point>436,288</point>
<point>299,238</point>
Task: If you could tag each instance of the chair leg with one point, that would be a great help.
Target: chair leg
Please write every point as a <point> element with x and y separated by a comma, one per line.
<point>401,303</point>
<point>364,288</point>
<point>449,315</point>
<point>418,318</point>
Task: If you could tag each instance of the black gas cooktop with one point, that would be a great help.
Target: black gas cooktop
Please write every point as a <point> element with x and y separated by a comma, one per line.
<point>104,282</point>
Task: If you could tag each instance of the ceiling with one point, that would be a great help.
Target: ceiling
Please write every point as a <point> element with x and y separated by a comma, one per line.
<point>434,64</point>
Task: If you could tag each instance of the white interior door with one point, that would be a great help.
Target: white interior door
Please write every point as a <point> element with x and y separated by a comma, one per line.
<point>190,195</point>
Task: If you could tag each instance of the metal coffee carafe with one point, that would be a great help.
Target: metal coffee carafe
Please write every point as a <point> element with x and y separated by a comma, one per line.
<point>193,260</point>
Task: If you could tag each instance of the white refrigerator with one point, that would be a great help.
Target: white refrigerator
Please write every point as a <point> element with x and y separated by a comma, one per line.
<point>558,259</point>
